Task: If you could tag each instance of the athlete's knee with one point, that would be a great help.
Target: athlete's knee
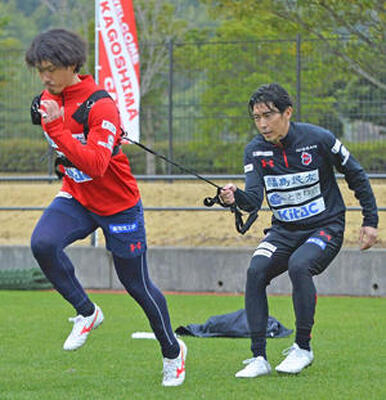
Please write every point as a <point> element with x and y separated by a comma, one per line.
<point>257,271</point>
<point>299,268</point>
<point>43,245</point>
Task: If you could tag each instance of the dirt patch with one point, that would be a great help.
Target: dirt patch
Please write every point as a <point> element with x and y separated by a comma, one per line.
<point>169,228</point>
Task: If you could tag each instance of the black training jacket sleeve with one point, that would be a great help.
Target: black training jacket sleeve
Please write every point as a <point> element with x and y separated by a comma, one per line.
<point>356,178</point>
<point>251,198</point>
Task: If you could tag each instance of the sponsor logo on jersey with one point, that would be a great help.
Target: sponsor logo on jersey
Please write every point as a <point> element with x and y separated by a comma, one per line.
<point>306,158</point>
<point>294,197</point>
<point>123,228</point>
<point>308,210</point>
<point>77,175</point>
<point>262,153</point>
<point>290,181</point>
<point>248,168</point>
<point>317,241</point>
<point>275,199</point>
<point>307,148</point>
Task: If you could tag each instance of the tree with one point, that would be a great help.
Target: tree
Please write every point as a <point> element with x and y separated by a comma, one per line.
<point>362,20</point>
<point>158,27</point>
<point>244,53</point>
<point>14,33</point>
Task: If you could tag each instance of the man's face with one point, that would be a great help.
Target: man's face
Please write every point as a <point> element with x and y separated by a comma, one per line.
<point>56,78</point>
<point>272,124</point>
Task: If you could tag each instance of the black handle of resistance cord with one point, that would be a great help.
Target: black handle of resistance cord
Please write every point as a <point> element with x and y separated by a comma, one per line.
<point>241,226</point>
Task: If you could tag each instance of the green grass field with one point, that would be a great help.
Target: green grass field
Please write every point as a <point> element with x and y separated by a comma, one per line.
<point>348,342</point>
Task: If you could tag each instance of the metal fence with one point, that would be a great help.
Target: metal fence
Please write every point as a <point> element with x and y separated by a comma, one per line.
<point>196,110</point>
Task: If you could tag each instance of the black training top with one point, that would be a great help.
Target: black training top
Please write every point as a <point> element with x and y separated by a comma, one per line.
<point>299,179</point>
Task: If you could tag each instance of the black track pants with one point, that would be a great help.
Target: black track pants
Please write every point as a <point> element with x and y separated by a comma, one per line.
<point>304,253</point>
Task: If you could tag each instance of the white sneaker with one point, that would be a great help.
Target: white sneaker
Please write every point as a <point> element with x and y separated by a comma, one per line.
<point>297,359</point>
<point>174,369</point>
<point>256,366</point>
<point>81,329</point>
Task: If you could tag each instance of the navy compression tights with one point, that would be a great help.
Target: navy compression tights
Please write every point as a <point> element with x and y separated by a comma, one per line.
<point>55,231</point>
<point>260,273</point>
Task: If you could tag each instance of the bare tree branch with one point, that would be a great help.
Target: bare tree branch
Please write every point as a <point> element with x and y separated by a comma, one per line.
<point>343,22</point>
<point>49,4</point>
<point>294,17</point>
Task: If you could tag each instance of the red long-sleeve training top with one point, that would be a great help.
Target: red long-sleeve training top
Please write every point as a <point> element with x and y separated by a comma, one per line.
<point>101,182</point>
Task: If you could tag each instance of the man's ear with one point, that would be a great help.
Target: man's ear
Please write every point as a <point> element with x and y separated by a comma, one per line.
<point>288,112</point>
<point>72,68</point>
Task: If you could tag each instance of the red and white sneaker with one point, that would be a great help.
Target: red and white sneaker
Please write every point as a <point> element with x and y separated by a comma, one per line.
<point>174,369</point>
<point>81,329</point>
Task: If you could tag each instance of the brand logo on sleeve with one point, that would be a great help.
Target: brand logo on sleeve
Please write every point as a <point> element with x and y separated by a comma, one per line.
<point>336,147</point>
<point>248,168</point>
<point>340,148</point>
<point>109,126</point>
<point>345,154</point>
<point>109,144</point>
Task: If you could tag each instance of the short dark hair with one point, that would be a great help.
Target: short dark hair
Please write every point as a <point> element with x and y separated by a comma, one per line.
<point>60,47</point>
<point>269,94</point>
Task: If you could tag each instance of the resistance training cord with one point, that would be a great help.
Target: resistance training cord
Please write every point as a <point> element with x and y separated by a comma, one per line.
<point>241,226</point>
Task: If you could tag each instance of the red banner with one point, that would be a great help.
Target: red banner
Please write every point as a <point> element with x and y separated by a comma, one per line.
<point>118,59</point>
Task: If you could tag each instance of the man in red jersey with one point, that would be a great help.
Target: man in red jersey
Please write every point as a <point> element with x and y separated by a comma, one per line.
<point>98,190</point>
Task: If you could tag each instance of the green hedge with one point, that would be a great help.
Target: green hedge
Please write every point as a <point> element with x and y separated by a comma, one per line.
<point>24,279</point>
<point>26,155</point>
<point>371,155</point>
<point>23,155</point>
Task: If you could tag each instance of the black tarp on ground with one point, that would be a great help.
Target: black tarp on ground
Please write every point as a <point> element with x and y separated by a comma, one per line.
<point>231,325</point>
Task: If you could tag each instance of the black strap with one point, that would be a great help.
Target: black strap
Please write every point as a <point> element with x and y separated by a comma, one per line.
<point>241,226</point>
<point>36,118</point>
<point>81,114</point>
<point>62,160</point>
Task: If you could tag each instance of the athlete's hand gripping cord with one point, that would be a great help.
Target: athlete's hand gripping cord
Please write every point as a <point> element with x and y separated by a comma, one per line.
<point>222,194</point>
<point>227,193</point>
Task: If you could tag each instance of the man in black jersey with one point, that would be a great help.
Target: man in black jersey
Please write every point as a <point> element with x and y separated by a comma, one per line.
<point>293,163</point>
